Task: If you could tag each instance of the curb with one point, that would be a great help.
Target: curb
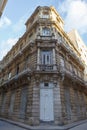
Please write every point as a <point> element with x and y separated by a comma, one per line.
<point>48,127</point>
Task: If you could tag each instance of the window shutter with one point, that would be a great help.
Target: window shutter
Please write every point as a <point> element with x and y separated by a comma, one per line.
<point>3,102</point>
<point>23,102</point>
<point>12,102</point>
<point>67,102</point>
<point>77,102</point>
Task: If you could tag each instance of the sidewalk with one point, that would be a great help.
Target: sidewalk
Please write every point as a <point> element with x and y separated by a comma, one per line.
<point>81,125</point>
<point>7,126</point>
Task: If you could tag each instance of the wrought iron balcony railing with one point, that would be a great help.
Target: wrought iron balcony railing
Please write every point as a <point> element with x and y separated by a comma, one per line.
<point>71,74</point>
<point>42,67</point>
<point>46,67</point>
<point>16,77</point>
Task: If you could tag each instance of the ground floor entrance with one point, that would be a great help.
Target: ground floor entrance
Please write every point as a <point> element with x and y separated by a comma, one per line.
<point>46,104</point>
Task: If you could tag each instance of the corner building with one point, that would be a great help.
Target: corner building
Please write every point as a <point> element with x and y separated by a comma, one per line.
<point>42,76</point>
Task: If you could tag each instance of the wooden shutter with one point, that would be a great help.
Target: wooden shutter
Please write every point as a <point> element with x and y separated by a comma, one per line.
<point>77,103</point>
<point>12,102</point>
<point>67,102</point>
<point>23,102</point>
<point>3,102</point>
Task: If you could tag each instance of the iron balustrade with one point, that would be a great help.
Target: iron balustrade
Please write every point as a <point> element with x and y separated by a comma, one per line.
<point>46,67</point>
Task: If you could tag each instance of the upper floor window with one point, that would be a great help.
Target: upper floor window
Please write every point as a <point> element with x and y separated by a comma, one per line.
<point>46,31</point>
<point>70,67</point>
<point>62,61</point>
<point>17,69</point>
<point>75,70</point>
<point>45,16</point>
<point>26,62</point>
<point>46,57</point>
<point>9,75</point>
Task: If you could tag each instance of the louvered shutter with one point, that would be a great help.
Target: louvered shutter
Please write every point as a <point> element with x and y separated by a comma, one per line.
<point>12,102</point>
<point>67,102</point>
<point>3,102</point>
<point>23,102</point>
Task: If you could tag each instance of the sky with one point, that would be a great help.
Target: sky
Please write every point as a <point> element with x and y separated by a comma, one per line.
<point>16,13</point>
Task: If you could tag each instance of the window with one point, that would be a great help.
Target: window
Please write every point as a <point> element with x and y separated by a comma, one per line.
<point>45,15</point>
<point>77,102</point>
<point>21,45</point>
<point>70,67</point>
<point>23,103</point>
<point>46,57</point>
<point>12,102</point>
<point>4,98</point>
<point>62,61</point>
<point>75,70</point>
<point>26,62</point>
<point>46,31</point>
<point>9,75</point>
<point>67,102</point>
<point>17,69</point>
<point>46,84</point>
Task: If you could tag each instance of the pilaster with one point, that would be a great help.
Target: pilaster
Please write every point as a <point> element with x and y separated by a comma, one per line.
<point>38,58</point>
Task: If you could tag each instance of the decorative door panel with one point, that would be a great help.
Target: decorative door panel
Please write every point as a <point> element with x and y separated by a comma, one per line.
<point>46,105</point>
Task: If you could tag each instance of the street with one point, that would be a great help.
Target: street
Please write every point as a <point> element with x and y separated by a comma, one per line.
<point>80,127</point>
<point>7,126</point>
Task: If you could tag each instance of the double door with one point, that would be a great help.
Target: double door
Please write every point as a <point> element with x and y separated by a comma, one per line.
<point>46,105</point>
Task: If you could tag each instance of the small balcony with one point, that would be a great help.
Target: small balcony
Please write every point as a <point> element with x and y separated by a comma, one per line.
<point>42,67</point>
<point>24,73</point>
<point>71,75</point>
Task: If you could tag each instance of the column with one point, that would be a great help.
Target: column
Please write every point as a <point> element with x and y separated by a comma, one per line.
<point>38,58</point>
<point>54,60</point>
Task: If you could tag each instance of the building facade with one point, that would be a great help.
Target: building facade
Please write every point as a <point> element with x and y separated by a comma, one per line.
<point>75,37</point>
<point>2,6</point>
<point>42,76</point>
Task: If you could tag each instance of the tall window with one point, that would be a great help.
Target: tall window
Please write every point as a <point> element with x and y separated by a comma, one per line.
<point>67,102</point>
<point>77,103</point>
<point>45,15</point>
<point>23,103</point>
<point>46,31</point>
<point>62,61</point>
<point>9,75</point>
<point>4,97</point>
<point>26,62</point>
<point>46,57</point>
<point>12,102</point>
<point>17,69</point>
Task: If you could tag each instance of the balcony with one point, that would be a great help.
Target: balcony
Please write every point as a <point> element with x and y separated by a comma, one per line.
<point>71,53</point>
<point>16,77</point>
<point>71,75</point>
<point>46,68</point>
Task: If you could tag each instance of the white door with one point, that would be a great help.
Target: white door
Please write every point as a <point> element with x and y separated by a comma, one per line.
<point>46,105</point>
